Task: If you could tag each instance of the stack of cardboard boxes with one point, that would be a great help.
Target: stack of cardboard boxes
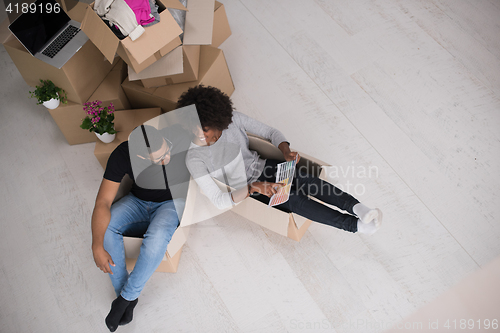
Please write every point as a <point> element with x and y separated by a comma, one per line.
<point>155,69</point>
<point>161,66</point>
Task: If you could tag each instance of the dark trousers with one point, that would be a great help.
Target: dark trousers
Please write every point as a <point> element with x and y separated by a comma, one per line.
<point>299,202</point>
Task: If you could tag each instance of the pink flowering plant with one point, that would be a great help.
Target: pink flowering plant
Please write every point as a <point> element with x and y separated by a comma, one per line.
<point>99,119</point>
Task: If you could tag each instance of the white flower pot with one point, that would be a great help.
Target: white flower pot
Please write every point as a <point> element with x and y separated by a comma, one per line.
<point>52,104</point>
<point>106,137</point>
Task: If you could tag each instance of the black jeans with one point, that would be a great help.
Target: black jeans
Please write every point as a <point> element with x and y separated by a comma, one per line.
<point>299,202</point>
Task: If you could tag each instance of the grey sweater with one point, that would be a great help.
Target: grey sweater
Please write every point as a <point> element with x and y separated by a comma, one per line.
<point>229,160</point>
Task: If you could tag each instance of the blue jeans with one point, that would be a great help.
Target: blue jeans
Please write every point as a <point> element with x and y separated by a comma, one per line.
<point>156,222</point>
<point>305,185</point>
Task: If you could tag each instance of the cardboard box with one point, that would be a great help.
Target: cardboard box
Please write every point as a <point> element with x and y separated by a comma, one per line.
<point>110,90</point>
<point>74,8</point>
<point>290,225</point>
<point>132,245</point>
<point>171,258</point>
<point>138,67</point>
<point>125,121</point>
<point>120,66</point>
<point>157,40</point>
<point>180,65</point>
<point>213,71</point>
<point>68,118</point>
<point>79,77</point>
<point>221,29</point>
<point>287,224</point>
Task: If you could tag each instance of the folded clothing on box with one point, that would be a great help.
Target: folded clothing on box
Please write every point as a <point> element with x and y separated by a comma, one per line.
<point>154,11</point>
<point>142,11</point>
<point>115,29</point>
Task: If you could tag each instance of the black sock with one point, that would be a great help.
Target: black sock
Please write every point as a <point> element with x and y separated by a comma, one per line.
<point>129,313</point>
<point>118,308</point>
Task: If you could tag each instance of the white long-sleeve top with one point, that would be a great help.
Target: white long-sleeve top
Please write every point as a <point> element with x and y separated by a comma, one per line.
<point>229,160</point>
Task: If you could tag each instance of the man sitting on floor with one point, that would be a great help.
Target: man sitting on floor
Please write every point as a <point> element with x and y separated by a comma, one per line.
<point>155,161</point>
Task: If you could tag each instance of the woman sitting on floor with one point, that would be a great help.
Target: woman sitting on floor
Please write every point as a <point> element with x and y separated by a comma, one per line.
<point>220,150</point>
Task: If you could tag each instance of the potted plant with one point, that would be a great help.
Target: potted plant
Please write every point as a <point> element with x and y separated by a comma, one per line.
<point>49,95</point>
<point>100,120</point>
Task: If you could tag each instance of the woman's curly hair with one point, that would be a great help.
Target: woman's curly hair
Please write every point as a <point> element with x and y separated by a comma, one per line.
<point>214,107</point>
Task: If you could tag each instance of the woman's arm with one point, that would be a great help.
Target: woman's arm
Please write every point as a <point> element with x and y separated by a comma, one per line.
<point>272,134</point>
<point>207,185</point>
<point>256,127</point>
<point>211,190</point>
<point>287,153</point>
<point>221,199</point>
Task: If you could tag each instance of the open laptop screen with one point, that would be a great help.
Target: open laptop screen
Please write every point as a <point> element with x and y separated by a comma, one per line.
<point>34,30</point>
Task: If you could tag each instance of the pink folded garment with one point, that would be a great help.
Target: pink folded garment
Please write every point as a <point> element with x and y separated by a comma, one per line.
<point>142,11</point>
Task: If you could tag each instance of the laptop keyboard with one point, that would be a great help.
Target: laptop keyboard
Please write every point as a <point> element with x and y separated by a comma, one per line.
<point>61,40</point>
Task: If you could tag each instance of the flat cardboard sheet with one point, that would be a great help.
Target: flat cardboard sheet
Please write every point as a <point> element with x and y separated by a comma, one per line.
<point>199,22</point>
<point>170,64</point>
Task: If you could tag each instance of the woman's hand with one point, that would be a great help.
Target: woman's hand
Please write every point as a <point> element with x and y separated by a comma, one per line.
<point>266,188</point>
<point>290,156</point>
<point>287,153</point>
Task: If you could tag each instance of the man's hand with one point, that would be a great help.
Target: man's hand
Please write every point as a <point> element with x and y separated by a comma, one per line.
<point>266,188</point>
<point>102,259</point>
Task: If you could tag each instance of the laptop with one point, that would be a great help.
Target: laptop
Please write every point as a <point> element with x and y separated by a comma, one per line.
<point>49,36</point>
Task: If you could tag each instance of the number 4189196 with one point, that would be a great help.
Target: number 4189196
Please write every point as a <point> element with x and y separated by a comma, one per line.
<point>33,8</point>
<point>471,324</point>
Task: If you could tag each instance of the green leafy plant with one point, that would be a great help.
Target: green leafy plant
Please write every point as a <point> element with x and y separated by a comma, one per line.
<point>99,119</point>
<point>47,91</point>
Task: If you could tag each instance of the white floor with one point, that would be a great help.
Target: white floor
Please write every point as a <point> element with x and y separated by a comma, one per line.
<point>409,88</point>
